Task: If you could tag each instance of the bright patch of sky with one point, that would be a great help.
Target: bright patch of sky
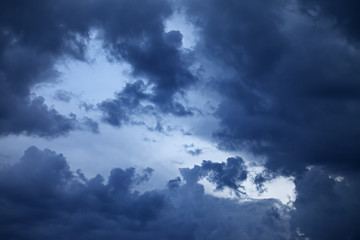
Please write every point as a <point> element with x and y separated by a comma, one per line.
<point>134,146</point>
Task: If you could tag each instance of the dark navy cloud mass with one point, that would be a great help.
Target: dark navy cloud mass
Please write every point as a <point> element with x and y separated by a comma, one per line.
<point>285,80</point>
<point>35,35</point>
<point>294,89</point>
<point>41,198</point>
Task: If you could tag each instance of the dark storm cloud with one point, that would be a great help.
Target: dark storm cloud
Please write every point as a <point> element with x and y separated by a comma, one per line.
<point>41,198</point>
<point>35,35</point>
<point>137,100</point>
<point>261,178</point>
<point>327,207</point>
<point>289,81</point>
<point>126,103</point>
<point>342,14</point>
<point>288,77</point>
<point>152,53</point>
<point>290,86</point>
<point>230,174</point>
<point>34,117</point>
<point>19,113</point>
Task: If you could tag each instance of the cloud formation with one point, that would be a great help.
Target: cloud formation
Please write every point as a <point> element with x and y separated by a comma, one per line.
<point>35,35</point>
<point>326,207</point>
<point>41,198</point>
<point>342,15</point>
<point>192,150</point>
<point>153,53</point>
<point>289,84</point>
<point>285,75</point>
<point>230,174</point>
<point>288,76</point>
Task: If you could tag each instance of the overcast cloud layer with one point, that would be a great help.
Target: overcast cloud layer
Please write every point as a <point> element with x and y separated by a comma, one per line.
<point>283,80</point>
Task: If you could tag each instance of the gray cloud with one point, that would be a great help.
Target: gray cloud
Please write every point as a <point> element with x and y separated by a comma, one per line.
<point>35,35</point>
<point>287,73</point>
<point>326,208</point>
<point>342,15</point>
<point>192,150</point>
<point>34,117</point>
<point>118,111</point>
<point>41,198</point>
<point>230,174</point>
<point>289,84</point>
<point>288,79</point>
<point>62,95</point>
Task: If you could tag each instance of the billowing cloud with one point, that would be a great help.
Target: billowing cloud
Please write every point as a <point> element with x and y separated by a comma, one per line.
<point>153,53</point>
<point>126,103</point>
<point>288,77</point>
<point>34,117</point>
<point>41,198</point>
<point>230,174</point>
<point>283,75</point>
<point>35,35</point>
<point>289,83</point>
<point>327,207</point>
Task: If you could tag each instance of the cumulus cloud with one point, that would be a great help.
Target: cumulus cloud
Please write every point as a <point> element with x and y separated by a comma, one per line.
<point>33,117</point>
<point>35,35</point>
<point>261,178</point>
<point>327,207</point>
<point>153,53</point>
<point>126,103</point>
<point>285,74</point>
<point>289,84</point>
<point>230,174</point>
<point>41,198</point>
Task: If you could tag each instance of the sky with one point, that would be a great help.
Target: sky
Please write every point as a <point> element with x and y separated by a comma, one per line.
<point>179,119</point>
